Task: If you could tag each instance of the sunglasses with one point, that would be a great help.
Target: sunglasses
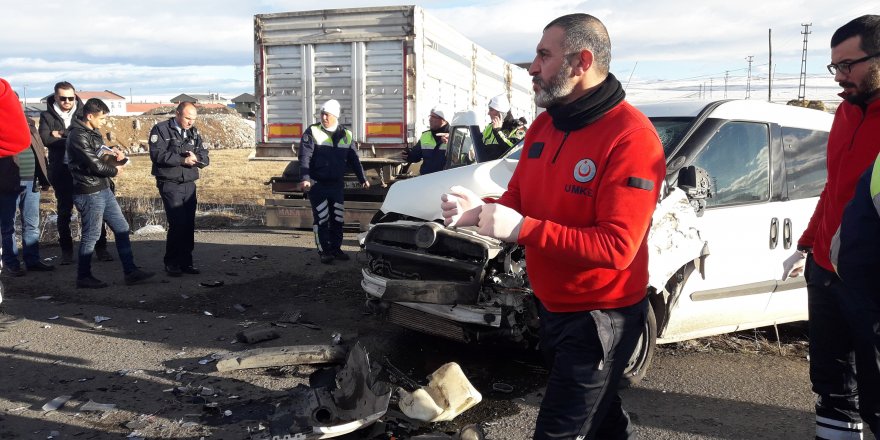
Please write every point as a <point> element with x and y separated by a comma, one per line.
<point>66,98</point>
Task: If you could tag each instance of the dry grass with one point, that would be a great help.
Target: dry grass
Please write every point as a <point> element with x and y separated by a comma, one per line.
<point>790,340</point>
<point>231,192</point>
<point>230,180</point>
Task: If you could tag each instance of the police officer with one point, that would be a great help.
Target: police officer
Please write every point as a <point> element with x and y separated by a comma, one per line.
<point>327,150</point>
<point>432,144</point>
<point>177,154</point>
<point>503,131</point>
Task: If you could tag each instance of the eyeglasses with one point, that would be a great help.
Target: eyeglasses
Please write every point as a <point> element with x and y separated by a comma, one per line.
<point>846,66</point>
<point>66,98</point>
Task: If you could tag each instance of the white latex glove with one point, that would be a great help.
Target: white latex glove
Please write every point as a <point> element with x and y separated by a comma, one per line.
<point>793,266</point>
<point>461,207</point>
<point>500,222</point>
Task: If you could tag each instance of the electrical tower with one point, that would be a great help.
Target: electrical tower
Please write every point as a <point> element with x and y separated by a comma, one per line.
<point>802,86</point>
<point>726,74</point>
<point>749,78</point>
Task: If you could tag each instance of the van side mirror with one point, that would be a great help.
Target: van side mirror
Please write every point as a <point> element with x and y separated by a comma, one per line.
<point>695,182</point>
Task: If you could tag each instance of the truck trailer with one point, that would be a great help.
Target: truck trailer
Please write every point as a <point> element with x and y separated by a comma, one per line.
<point>387,66</point>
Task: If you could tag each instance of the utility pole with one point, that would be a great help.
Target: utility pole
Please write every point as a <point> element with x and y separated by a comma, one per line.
<point>749,77</point>
<point>770,63</point>
<point>802,86</point>
<point>726,74</point>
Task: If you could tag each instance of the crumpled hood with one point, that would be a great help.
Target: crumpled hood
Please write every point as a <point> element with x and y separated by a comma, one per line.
<point>420,196</point>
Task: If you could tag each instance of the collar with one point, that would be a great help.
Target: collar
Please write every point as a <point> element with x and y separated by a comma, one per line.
<point>588,108</point>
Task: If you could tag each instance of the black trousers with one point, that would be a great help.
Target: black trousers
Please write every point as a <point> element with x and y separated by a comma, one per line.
<point>844,358</point>
<point>587,353</point>
<point>180,203</point>
<point>62,183</point>
<point>328,214</point>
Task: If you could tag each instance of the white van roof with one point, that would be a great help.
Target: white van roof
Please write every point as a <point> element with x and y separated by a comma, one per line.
<point>744,110</point>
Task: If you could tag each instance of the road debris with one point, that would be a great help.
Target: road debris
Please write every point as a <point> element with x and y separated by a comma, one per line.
<point>214,283</point>
<point>448,394</point>
<point>99,319</point>
<point>91,405</point>
<point>254,335</point>
<point>281,356</point>
<point>56,403</point>
<point>334,405</point>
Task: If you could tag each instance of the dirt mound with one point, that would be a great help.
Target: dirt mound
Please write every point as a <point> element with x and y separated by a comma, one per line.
<point>219,131</point>
<point>168,110</point>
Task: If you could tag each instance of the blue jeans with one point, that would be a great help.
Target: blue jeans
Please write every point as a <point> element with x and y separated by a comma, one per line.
<point>28,202</point>
<point>94,209</point>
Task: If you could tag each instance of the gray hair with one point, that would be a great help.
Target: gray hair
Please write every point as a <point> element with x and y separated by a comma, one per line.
<point>583,31</point>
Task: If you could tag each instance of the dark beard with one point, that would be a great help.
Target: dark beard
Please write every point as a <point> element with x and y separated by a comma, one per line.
<point>868,89</point>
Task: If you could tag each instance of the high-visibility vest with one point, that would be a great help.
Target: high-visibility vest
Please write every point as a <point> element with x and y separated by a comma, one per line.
<point>427,141</point>
<point>321,137</point>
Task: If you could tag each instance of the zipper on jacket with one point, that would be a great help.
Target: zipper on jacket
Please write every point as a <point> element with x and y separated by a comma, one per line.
<point>856,131</point>
<point>560,147</point>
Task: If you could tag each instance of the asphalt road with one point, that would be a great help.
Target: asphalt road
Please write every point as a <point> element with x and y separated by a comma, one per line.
<point>145,359</point>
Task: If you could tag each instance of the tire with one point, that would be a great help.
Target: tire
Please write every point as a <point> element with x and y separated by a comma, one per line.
<point>644,353</point>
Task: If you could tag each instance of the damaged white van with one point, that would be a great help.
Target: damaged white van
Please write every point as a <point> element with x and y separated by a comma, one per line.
<point>743,178</point>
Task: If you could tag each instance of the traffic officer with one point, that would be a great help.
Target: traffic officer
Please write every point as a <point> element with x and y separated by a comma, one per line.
<point>326,152</point>
<point>503,131</point>
<point>431,146</point>
<point>177,153</point>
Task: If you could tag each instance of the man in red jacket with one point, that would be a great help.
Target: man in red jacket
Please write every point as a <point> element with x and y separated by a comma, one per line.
<point>853,144</point>
<point>580,201</point>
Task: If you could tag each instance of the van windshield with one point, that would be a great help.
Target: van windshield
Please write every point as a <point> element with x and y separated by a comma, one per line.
<point>671,130</point>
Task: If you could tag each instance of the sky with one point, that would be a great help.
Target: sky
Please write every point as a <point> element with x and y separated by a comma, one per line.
<point>662,50</point>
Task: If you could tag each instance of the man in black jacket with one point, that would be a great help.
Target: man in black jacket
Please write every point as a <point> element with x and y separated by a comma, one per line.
<point>177,154</point>
<point>62,108</point>
<point>92,164</point>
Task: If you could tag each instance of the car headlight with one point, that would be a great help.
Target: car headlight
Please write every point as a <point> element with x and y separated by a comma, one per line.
<point>426,234</point>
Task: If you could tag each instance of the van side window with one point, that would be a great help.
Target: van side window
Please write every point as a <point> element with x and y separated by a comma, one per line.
<point>737,158</point>
<point>805,166</point>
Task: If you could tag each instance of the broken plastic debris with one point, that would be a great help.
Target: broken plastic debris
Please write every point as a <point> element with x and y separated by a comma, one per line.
<point>54,434</point>
<point>215,283</point>
<point>448,394</point>
<point>99,319</point>
<point>56,403</point>
<point>52,318</point>
<point>352,400</point>
<point>502,387</point>
<point>44,297</point>
<point>207,313</point>
<point>227,413</point>
<point>239,308</point>
<point>91,405</point>
<point>336,338</point>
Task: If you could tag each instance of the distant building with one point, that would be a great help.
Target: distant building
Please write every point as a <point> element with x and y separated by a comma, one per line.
<point>245,104</point>
<point>115,102</point>
<point>33,110</point>
<point>200,98</point>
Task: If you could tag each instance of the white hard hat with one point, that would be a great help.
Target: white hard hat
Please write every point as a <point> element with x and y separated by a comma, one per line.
<point>500,103</point>
<point>331,107</point>
<point>441,111</point>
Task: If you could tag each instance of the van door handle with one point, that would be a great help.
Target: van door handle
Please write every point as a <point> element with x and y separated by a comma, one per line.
<point>786,233</point>
<point>774,232</point>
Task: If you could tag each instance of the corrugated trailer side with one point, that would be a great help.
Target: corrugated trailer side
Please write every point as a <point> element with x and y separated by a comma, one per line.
<point>355,56</point>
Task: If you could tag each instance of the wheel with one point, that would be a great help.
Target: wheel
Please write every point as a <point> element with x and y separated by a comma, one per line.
<point>644,353</point>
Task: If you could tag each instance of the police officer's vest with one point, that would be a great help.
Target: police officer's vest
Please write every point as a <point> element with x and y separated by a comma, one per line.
<point>490,139</point>
<point>321,137</point>
<point>427,141</point>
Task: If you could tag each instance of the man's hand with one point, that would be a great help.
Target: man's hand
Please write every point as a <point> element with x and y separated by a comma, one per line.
<point>366,184</point>
<point>56,133</point>
<point>496,121</point>
<point>793,266</point>
<point>120,155</point>
<point>444,137</point>
<point>119,169</point>
<point>461,207</point>
<point>307,185</point>
<point>500,222</point>
<point>190,159</point>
